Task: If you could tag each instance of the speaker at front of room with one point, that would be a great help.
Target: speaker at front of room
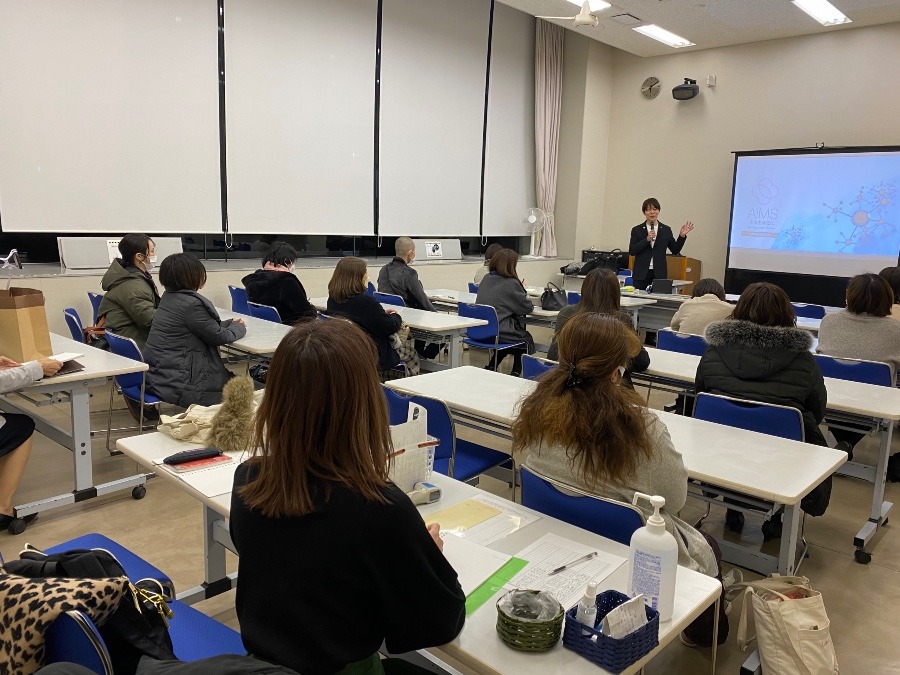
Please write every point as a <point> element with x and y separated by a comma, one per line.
<point>685,91</point>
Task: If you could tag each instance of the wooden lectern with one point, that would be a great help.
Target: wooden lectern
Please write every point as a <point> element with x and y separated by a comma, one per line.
<point>679,267</point>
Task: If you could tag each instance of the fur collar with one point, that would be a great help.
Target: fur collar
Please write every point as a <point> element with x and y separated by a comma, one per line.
<point>752,335</point>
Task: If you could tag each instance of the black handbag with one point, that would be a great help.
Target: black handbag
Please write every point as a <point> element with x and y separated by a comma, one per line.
<point>603,260</point>
<point>553,300</point>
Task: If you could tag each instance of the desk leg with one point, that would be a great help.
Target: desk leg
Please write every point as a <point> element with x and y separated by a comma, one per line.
<point>81,439</point>
<point>715,632</point>
<point>216,540</point>
<point>787,556</point>
<point>880,508</point>
<point>455,350</point>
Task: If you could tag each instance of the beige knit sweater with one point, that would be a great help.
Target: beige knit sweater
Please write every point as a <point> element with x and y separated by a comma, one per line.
<point>860,336</point>
<point>696,314</point>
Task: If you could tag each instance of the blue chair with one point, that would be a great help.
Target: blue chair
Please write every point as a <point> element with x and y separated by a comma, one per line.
<point>533,367</point>
<point>264,312</point>
<point>132,385</point>
<point>765,418</point>
<point>808,311</point>
<point>370,289</point>
<point>73,321</point>
<point>473,287</point>
<point>683,343</point>
<point>73,638</point>
<point>574,297</point>
<point>398,406</point>
<point>389,299</point>
<point>485,337</point>
<point>95,299</point>
<point>629,281</point>
<point>606,517</point>
<point>856,370</point>
<point>623,272</point>
<point>239,299</point>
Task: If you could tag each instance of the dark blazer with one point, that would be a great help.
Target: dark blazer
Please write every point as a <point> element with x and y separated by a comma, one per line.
<point>398,278</point>
<point>368,314</point>
<point>281,290</point>
<point>640,248</point>
<point>183,350</point>
<point>510,299</point>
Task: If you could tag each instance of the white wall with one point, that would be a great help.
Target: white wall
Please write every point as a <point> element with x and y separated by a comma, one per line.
<point>838,88</point>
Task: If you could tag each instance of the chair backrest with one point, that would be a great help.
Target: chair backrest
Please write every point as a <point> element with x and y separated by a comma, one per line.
<point>95,299</point>
<point>766,418</point>
<point>73,638</point>
<point>473,287</point>
<point>808,311</point>
<point>487,313</point>
<point>533,367</point>
<point>629,281</point>
<point>73,321</point>
<point>398,406</point>
<point>389,299</point>
<point>264,312</point>
<point>370,289</point>
<point>123,346</point>
<point>573,297</point>
<point>683,343</point>
<point>440,424</point>
<point>624,272</point>
<point>606,517</point>
<point>239,299</point>
<point>856,370</point>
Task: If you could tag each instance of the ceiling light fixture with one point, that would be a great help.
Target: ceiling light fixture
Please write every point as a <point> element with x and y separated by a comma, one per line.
<point>822,11</point>
<point>596,5</point>
<point>664,36</point>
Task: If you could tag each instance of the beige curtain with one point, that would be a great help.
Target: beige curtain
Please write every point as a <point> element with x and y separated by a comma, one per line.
<point>548,74</point>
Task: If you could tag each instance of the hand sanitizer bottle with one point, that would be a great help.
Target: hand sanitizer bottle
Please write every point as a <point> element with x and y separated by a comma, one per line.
<point>653,561</point>
<point>587,607</point>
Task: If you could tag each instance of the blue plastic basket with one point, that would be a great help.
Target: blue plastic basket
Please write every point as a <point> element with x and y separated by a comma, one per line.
<point>609,653</point>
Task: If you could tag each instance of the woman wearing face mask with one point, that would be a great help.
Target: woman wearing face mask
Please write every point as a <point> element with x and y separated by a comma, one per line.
<point>276,285</point>
<point>131,297</point>
<point>183,348</point>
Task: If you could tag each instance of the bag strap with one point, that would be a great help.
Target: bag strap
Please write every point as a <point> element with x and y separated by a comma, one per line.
<point>550,283</point>
<point>744,640</point>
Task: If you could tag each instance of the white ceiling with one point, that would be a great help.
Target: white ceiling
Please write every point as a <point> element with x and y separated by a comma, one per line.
<point>710,23</point>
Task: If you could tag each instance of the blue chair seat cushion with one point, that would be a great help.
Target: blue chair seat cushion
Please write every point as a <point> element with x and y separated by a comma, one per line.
<point>134,393</point>
<point>197,636</point>
<point>491,345</point>
<point>473,459</point>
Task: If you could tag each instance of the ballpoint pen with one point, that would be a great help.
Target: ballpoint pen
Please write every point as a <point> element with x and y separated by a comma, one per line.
<point>574,562</point>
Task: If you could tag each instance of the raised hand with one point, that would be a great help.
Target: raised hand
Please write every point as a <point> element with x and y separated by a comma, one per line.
<point>687,227</point>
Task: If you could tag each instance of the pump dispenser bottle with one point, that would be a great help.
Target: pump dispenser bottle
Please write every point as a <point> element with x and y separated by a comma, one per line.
<point>653,561</point>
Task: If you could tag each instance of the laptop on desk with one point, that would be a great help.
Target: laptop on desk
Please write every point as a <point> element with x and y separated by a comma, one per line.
<point>663,286</point>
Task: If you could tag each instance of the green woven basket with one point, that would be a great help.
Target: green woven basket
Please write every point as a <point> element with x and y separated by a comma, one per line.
<point>529,636</point>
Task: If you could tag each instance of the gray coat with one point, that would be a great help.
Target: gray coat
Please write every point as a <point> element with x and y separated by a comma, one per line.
<point>182,350</point>
<point>509,298</point>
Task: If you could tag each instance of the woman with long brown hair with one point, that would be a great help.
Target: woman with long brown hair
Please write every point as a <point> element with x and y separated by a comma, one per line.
<point>334,558</point>
<point>600,294</point>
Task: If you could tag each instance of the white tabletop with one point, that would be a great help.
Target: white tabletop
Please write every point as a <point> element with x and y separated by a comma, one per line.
<point>724,456</point>
<point>478,646</point>
<point>263,337</point>
<point>668,298</point>
<point>448,295</point>
<point>845,396</point>
<point>420,319</point>
<point>98,364</point>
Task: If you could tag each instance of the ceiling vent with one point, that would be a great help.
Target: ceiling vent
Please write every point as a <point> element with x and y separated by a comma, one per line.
<point>627,20</point>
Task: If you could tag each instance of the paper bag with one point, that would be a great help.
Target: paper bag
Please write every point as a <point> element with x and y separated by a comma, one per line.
<point>24,334</point>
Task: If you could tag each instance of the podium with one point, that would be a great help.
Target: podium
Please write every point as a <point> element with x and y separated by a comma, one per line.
<point>679,267</point>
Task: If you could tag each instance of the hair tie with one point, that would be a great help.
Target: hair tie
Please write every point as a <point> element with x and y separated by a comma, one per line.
<point>574,379</point>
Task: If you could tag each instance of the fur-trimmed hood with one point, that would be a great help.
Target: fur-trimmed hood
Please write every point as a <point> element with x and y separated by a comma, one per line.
<point>753,351</point>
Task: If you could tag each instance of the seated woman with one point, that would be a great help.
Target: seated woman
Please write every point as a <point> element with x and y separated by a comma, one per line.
<point>865,330</point>
<point>758,354</point>
<point>581,428</point>
<point>183,348</point>
<point>131,298</point>
<point>707,305</point>
<point>277,285</point>
<point>600,294</point>
<point>363,568</point>
<point>347,297</point>
<point>489,253</point>
<point>16,431</point>
<point>892,276</point>
<point>504,291</point>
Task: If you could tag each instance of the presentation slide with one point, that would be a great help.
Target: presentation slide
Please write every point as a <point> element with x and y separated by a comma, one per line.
<point>833,214</point>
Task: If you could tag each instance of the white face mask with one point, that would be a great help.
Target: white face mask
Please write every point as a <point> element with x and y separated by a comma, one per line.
<point>149,262</point>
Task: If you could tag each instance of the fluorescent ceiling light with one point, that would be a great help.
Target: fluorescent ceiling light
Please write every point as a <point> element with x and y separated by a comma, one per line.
<point>822,11</point>
<point>664,36</point>
<point>596,5</point>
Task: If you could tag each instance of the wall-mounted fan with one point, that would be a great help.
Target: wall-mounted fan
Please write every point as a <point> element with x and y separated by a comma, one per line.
<point>583,18</point>
<point>533,221</point>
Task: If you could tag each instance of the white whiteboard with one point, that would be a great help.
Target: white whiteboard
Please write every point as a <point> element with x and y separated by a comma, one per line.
<point>300,115</point>
<point>108,121</point>
<point>434,60</point>
<point>509,167</point>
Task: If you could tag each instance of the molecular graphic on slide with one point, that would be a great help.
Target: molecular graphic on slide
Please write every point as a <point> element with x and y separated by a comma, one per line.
<point>867,214</point>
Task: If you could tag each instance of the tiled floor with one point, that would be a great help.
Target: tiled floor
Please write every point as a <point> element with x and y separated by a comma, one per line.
<point>863,602</point>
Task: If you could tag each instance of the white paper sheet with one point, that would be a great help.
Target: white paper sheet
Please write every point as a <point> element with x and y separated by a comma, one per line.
<point>473,563</point>
<point>211,482</point>
<point>510,519</point>
<point>552,551</point>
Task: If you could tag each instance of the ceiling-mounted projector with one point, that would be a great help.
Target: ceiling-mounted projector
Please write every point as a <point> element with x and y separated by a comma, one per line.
<point>685,91</point>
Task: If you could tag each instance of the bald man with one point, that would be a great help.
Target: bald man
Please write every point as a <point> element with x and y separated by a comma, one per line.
<point>398,278</point>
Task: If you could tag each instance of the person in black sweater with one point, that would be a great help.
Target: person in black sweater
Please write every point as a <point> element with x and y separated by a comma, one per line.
<point>276,285</point>
<point>347,297</point>
<point>333,558</point>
